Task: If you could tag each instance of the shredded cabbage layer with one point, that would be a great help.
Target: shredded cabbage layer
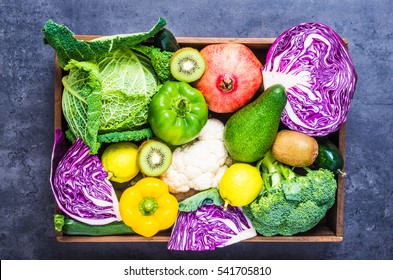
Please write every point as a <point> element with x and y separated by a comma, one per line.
<point>209,227</point>
<point>313,64</point>
<point>80,184</point>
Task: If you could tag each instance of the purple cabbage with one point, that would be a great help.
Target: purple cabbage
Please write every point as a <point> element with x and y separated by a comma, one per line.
<point>313,64</point>
<point>209,227</point>
<point>80,185</point>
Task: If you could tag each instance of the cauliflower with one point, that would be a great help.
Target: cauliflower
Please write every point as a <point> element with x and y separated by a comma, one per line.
<point>200,164</point>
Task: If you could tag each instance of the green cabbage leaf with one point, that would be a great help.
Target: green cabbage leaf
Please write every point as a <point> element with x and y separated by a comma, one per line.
<point>68,47</point>
<point>109,96</point>
<point>81,102</point>
<point>128,83</point>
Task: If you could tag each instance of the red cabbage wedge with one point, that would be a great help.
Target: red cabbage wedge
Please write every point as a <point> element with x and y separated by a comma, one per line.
<point>313,64</point>
<point>210,227</point>
<point>80,185</point>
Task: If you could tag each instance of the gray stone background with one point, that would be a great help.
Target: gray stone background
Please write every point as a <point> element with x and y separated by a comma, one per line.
<point>26,123</point>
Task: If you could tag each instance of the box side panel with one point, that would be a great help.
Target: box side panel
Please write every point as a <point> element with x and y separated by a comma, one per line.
<point>58,114</point>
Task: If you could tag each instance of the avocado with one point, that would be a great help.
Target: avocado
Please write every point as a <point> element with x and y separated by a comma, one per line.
<point>250,132</point>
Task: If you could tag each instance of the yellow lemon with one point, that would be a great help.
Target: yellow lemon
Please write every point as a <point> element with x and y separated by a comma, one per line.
<point>240,184</point>
<point>119,160</point>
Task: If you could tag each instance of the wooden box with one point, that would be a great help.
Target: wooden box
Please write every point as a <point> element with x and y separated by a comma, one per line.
<point>330,229</point>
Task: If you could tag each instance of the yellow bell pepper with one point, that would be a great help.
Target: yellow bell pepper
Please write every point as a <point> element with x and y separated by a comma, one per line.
<point>148,207</point>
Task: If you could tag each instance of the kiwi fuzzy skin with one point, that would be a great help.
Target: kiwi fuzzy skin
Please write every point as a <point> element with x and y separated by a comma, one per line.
<point>295,148</point>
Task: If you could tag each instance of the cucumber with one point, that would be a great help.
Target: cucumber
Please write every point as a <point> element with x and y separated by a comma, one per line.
<point>166,41</point>
<point>329,157</point>
<point>69,226</point>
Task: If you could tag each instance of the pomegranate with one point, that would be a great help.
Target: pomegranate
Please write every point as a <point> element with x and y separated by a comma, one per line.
<point>232,76</point>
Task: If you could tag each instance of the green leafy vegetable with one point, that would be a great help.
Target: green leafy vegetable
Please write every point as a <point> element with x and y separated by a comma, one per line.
<point>110,83</point>
<point>159,60</point>
<point>111,95</point>
<point>128,83</point>
<point>132,135</point>
<point>67,47</point>
<point>81,102</point>
<point>192,203</point>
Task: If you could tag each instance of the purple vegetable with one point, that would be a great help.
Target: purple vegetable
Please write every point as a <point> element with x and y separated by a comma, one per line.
<point>80,185</point>
<point>209,227</point>
<point>312,62</point>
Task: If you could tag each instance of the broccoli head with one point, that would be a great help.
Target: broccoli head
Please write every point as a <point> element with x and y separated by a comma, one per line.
<point>290,203</point>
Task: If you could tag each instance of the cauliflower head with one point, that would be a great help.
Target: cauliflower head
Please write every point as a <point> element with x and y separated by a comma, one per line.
<point>200,164</point>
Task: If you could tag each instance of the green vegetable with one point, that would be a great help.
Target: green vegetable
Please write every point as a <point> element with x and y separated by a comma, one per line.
<point>159,60</point>
<point>329,157</point>
<point>290,203</point>
<point>82,103</point>
<point>67,47</point>
<point>70,226</point>
<point>128,83</point>
<point>110,82</point>
<point>177,113</point>
<point>208,196</point>
<point>166,41</point>
<point>133,135</point>
<point>250,132</point>
<point>111,95</point>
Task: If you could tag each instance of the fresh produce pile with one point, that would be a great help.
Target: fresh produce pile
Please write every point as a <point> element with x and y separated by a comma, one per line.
<point>248,144</point>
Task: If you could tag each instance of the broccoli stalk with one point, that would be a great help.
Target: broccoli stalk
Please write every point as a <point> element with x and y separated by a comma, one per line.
<point>290,203</point>
<point>276,171</point>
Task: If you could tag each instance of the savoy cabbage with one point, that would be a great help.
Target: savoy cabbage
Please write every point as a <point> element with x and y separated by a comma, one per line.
<point>109,84</point>
<point>110,95</point>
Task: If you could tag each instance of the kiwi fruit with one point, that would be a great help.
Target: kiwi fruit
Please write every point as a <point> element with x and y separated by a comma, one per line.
<point>294,148</point>
<point>154,158</point>
<point>187,65</point>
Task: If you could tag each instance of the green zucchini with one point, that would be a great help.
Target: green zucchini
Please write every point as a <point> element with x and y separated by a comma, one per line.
<point>329,157</point>
<point>69,226</point>
<point>166,41</point>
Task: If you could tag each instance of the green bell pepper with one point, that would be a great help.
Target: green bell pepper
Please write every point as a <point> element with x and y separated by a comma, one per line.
<point>177,113</point>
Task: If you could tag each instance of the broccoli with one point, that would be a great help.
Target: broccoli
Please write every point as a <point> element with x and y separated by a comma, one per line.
<point>290,203</point>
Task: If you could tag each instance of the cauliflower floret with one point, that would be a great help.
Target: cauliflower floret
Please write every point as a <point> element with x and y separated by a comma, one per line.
<point>213,130</point>
<point>199,164</point>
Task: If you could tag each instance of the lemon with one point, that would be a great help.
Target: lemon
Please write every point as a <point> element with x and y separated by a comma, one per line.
<point>119,160</point>
<point>240,184</point>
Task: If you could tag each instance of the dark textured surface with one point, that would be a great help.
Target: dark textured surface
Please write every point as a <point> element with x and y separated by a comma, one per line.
<point>26,124</point>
